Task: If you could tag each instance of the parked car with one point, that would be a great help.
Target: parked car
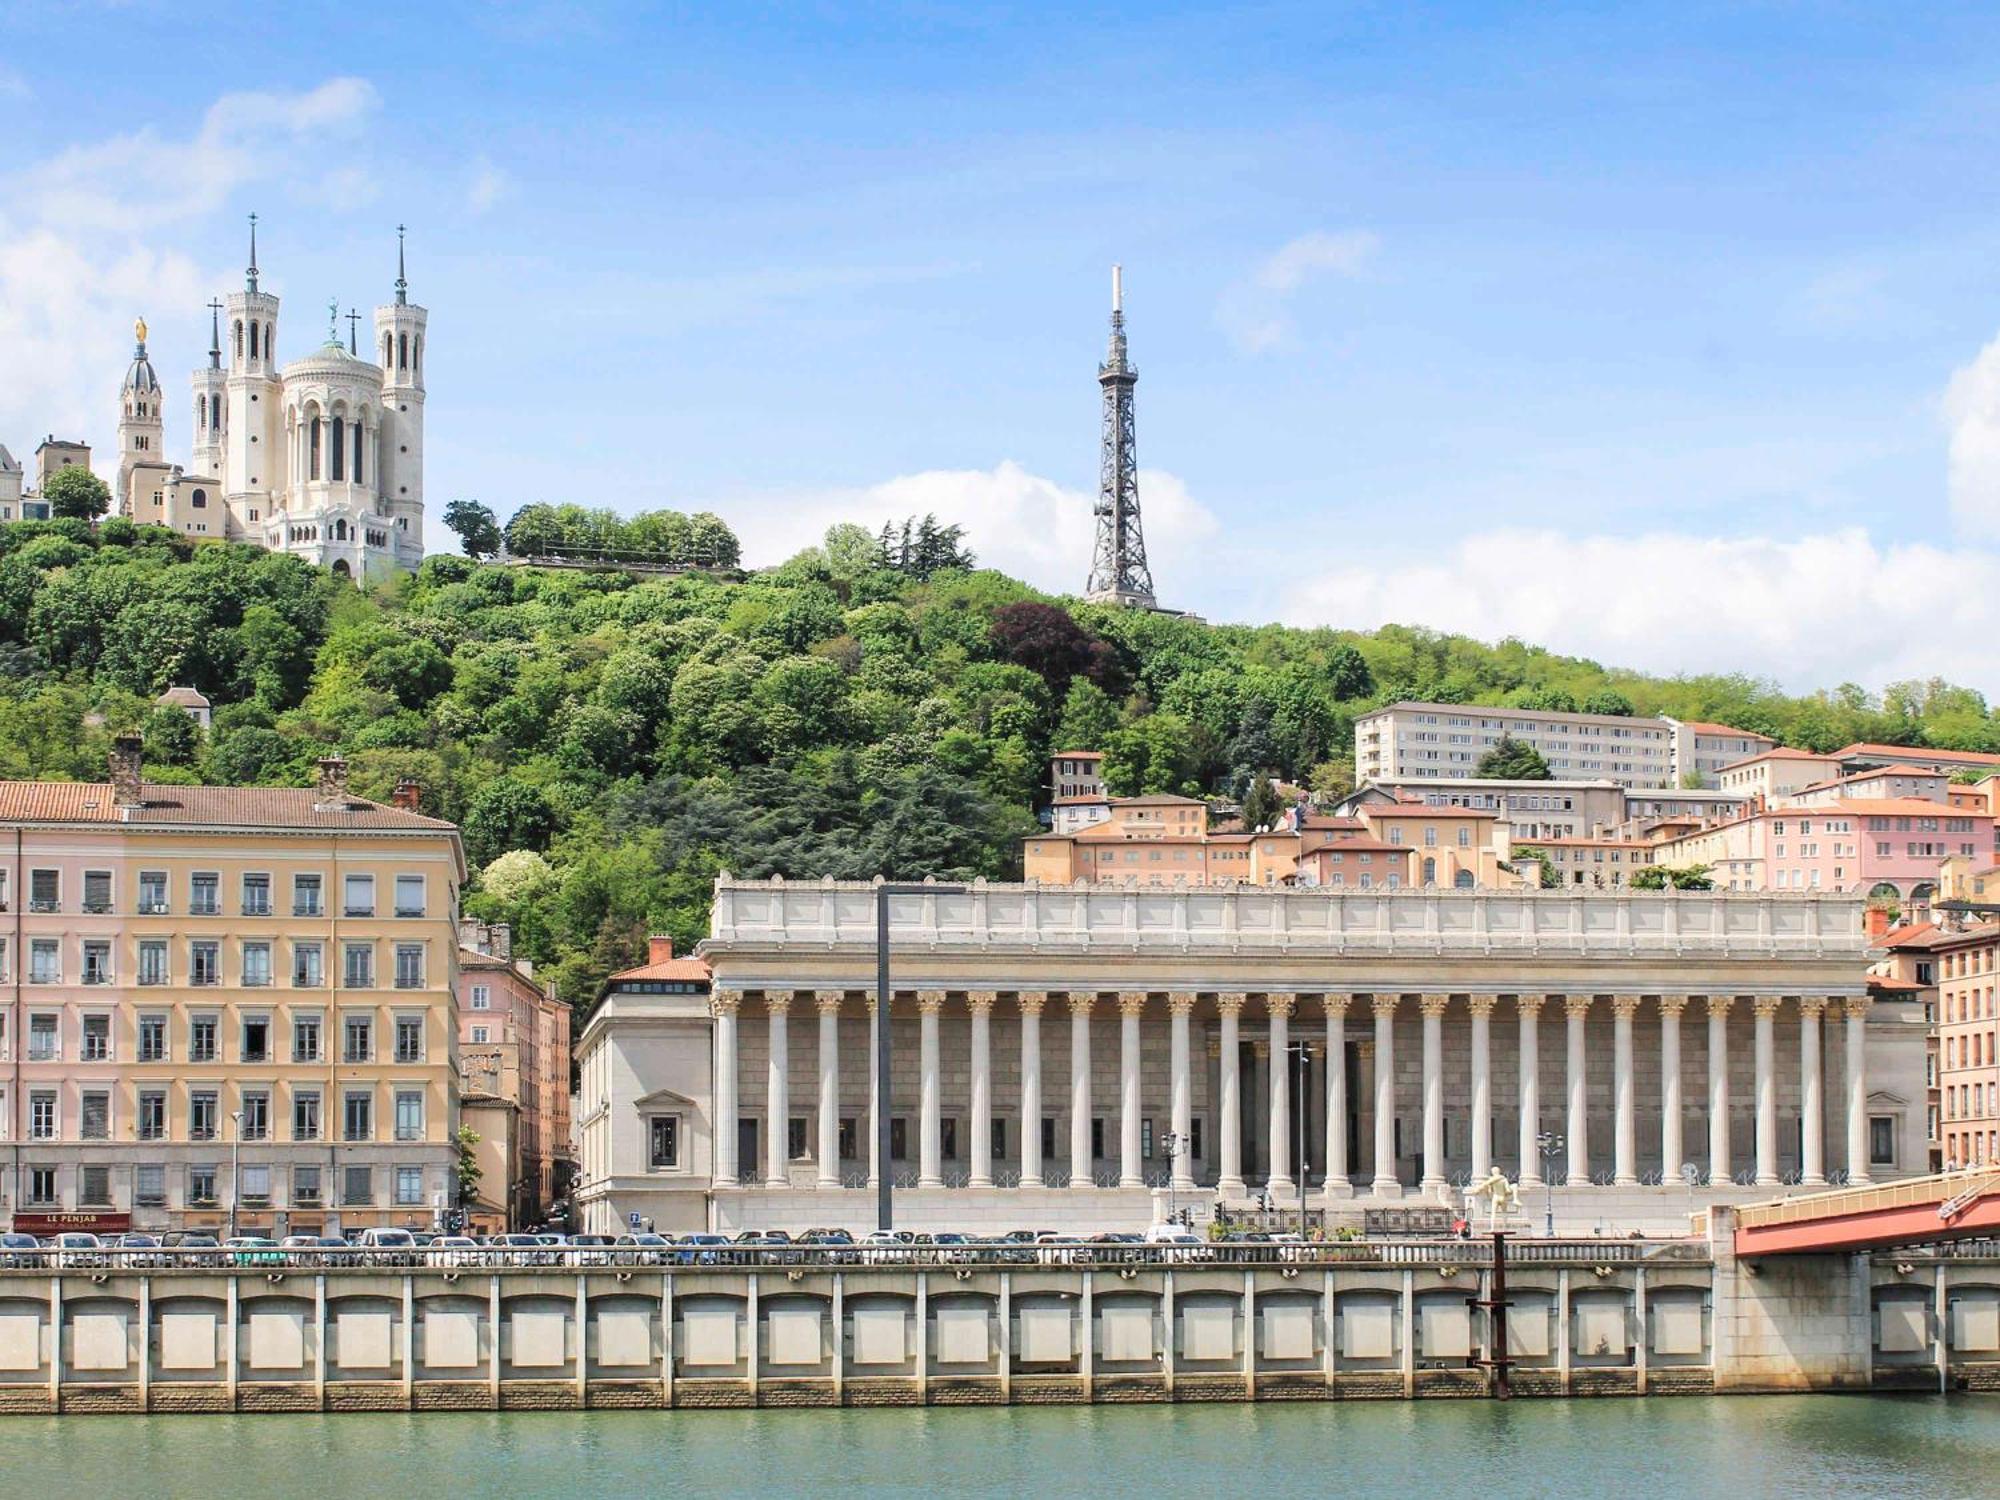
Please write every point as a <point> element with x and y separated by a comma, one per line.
<point>191,1247</point>
<point>641,1250</point>
<point>590,1250</point>
<point>253,1250</point>
<point>301,1250</point>
<point>75,1249</point>
<point>396,1247</point>
<point>522,1250</point>
<point>954,1249</point>
<point>1176,1242</point>
<point>454,1250</point>
<point>20,1252</point>
<point>701,1249</point>
<point>137,1250</point>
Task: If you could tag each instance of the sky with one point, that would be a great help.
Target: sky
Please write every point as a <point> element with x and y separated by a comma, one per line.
<point>1666,335</point>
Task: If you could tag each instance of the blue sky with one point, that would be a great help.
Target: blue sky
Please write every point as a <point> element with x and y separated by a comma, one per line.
<point>1656,333</point>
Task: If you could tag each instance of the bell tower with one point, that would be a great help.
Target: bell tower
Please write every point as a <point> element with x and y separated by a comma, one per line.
<point>253,456</point>
<point>400,331</point>
<point>209,383</point>
<point>141,427</point>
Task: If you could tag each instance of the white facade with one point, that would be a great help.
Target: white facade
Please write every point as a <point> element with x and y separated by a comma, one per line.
<point>1404,741</point>
<point>321,457</point>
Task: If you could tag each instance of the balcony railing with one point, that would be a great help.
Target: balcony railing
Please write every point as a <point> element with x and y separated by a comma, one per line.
<point>256,981</point>
<point>43,904</point>
<point>409,1054</point>
<point>409,981</point>
<point>97,908</point>
<point>256,908</point>
<point>306,981</point>
<point>204,908</point>
<point>357,911</point>
<point>153,908</point>
<point>98,976</point>
<point>409,911</point>
<point>153,976</point>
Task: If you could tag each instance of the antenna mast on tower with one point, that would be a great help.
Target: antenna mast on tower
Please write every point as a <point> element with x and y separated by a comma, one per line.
<point>1118,570</point>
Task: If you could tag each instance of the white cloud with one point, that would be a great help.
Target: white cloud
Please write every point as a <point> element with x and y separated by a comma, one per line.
<point>490,186</point>
<point>80,252</point>
<point>1972,413</point>
<point>1811,612</point>
<point>1015,521</point>
<point>1256,311</point>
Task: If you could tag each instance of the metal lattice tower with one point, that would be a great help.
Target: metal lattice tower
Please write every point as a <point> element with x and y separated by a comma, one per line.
<point>1118,570</point>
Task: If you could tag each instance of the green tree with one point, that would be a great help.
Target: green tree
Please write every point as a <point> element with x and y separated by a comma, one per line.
<point>1513,760</point>
<point>76,493</point>
<point>467,1168</point>
<point>507,813</point>
<point>1262,806</point>
<point>1545,868</point>
<point>474,524</point>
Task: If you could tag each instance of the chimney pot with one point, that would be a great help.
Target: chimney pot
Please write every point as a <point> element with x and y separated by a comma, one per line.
<point>659,949</point>
<point>409,795</point>
<point>332,777</point>
<point>127,753</point>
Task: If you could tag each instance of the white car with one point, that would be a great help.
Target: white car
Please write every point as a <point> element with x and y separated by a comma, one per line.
<point>76,1249</point>
<point>1179,1243</point>
<point>454,1250</point>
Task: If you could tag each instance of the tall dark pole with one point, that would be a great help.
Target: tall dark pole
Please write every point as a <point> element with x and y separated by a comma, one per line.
<point>885,1212</point>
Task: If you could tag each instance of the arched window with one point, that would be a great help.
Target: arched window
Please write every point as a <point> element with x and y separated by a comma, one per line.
<point>340,531</point>
<point>357,452</point>
<point>339,470</point>
<point>388,349</point>
<point>417,363</point>
<point>199,499</point>
<point>201,416</point>
<point>1430,871</point>
<point>312,451</point>
<point>402,351</point>
<point>1463,880</point>
<point>253,338</point>
<point>340,568</point>
<point>215,411</point>
<point>239,338</point>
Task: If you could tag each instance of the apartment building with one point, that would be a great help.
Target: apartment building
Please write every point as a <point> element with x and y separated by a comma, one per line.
<point>1864,756</point>
<point>1777,773</point>
<point>1536,810</point>
<point>514,1049</point>
<point>225,1005</point>
<point>1883,847</point>
<point>1702,750</point>
<point>1077,795</point>
<point>1448,740</point>
<point>1909,966</point>
<point>1968,1068</point>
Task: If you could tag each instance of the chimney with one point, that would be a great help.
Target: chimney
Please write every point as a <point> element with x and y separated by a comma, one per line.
<point>332,778</point>
<point>127,751</point>
<point>659,949</point>
<point>409,795</point>
<point>1878,923</point>
<point>500,940</point>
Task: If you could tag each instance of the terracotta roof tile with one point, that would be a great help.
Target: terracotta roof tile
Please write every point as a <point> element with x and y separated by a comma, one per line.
<point>1700,728</point>
<point>695,969</point>
<point>264,807</point>
<point>1967,757</point>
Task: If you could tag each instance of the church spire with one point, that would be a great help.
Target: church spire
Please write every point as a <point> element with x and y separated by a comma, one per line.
<point>215,335</point>
<point>250,276</point>
<point>402,277</point>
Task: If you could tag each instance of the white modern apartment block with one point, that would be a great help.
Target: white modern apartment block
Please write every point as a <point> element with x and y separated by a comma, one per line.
<point>1447,740</point>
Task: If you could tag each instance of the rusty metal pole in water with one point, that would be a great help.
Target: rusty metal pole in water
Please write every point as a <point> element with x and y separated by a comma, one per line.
<point>1496,1304</point>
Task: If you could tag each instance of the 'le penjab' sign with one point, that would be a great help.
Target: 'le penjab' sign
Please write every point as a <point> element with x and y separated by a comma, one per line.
<point>86,1223</point>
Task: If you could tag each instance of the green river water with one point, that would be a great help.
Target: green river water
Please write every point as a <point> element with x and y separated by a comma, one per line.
<point>1684,1448</point>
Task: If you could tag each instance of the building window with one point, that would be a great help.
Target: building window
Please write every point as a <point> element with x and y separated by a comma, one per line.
<point>44,961</point>
<point>201,1039</point>
<point>256,964</point>
<point>152,893</point>
<point>409,966</point>
<point>664,1137</point>
<point>201,1187</point>
<point>152,1115</point>
<point>482,997</point>
<point>305,1116</point>
<point>97,891</point>
<point>305,1187</point>
<point>256,1186</point>
<point>357,1186</point>
<point>409,1039</point>
<point>358,966</point>
<point>201,1115</point>
<point>357,1039</point>
<point>305,1039</point>
<point>44,890</point>
<point>204,895</point>
<point>849,1132</point>
<point>152,962</point>
<point>358,898</point>
<point>204,963</point>
<point>409,1116</point>
<point>795,1138</point>
<point>306,896</point>
<point>307,970</point>
<point>1881,1140</point>
<point>256,895</point>
<point>256,1116</point>
<point>409,1186</point>
<point>42,1186</point>
<point>42,1116</point>
<point>149,1184</point>
<point>409,895</point>
<point>152,1039</point>
<point>358,1117</point>
<point>479,1034</point>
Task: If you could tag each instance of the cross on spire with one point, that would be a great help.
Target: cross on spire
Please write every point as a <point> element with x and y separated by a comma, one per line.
<point>215,335</point>
<point>250,276</point>
<point>353,323</point>
<point>402,276</point>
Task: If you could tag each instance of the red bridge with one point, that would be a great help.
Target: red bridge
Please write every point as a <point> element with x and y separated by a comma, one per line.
<point>1913,1211</point>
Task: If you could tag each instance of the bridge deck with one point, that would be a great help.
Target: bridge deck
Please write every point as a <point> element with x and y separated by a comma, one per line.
<point>1914,1210</point>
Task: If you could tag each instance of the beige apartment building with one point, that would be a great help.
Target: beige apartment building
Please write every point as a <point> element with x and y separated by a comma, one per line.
<point>514,1051</point>
<point>1448,740</point>
<point>225,1003</point>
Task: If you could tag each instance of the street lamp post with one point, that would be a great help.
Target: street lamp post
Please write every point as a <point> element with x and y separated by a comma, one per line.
<point>1550,1144</point>
<point>1174,1144</point>
<point>1302,1051</point>
<point>884,1189</point>
<point>235,1169</point>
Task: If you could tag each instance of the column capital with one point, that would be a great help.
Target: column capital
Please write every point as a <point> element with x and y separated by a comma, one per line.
<point>1624,1007</point>
<point>1482,1005</point>
<point>1279,1003</point>
<point>1230,1002</point>
<point>1529,1006</point>
<point>829,1001</point>
<point>725,1002</point>
<point>1080,1001</point>
<point>1181,1002</point>
<point>1812,1007</point>
<point>930,1002</point>
<point>1131,1002</point>
<point>1433,1005</point>
<point>1385,1005</point>
<point>1031,1001</point>
<point>1672,1005</point>
<point>980,1002</point>
<point>1577,1006</point>
<point>1767,1005</point>
<point>1718,1005</point>
<point>1857,1007</point>
<point>778,1002</point>
<point>1336,1006</point>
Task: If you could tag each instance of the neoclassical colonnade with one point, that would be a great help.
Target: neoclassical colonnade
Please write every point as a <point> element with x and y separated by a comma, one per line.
<point>1809,1013</point>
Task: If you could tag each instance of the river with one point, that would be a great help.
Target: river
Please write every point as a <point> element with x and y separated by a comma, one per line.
<point>1684,1448</point>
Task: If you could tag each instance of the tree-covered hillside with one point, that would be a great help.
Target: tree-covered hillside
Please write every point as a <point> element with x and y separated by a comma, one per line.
<point>608,743</point>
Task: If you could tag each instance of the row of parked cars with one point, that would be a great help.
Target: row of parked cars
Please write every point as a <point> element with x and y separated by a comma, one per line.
<point>1163,1243</point>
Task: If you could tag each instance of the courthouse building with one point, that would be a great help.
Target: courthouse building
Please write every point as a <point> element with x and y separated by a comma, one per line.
<point>1083,1057</point>
<point>225,999</point>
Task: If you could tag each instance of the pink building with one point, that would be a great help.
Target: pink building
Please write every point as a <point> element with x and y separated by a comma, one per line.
<point>1888,847</point>
<point>514,1047</point>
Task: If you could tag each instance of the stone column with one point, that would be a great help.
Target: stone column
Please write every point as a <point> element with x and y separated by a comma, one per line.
<point>1578,1007</point>
<point>1230,1101</point>
<point>1032,1002</point>
<point>1279,1182</point>
<point>1528,1010</point>
<point>724,1004</point>
<point>980,1002</point>
<point>1767,1090</point>
<point>876,1017</point>
<point>777,1090</point>
<point>930,1139</point>
<point>1719,1169</point>
<point>1131,1169</point>
<point>1812,1093</point>
<point>1386,1184</point>
<point>1482,1085</point>
<point>1180,1005</point>
<point>1338,1183</point>
<point>1433,1009</point>
<point>1080,1001</point>
<point>1625,1093</point>
<point>1671,1007</point>
<point>1857,1088</point>
<point>828,1002</point>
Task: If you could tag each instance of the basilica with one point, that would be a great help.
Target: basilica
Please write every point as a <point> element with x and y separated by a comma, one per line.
<point>322,457</point>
